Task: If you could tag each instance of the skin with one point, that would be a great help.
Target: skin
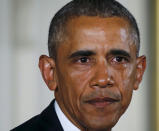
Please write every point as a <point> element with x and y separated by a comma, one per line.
<point>95,72</point>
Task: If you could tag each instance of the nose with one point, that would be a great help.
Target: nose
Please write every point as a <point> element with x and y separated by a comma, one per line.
<point>102,77</point>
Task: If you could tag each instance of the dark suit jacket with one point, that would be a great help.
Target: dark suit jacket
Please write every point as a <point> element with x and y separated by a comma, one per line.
<point>46,121</point>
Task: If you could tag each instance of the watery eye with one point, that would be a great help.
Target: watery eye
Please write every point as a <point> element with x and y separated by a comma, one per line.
<point>120,59</point>
<point>83,59</point>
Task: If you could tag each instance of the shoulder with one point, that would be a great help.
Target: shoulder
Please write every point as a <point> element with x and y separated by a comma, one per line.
<point>46,121</point>
<point>30,125</point>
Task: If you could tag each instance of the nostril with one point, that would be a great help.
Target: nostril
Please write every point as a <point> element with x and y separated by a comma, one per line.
<point>109,85</point>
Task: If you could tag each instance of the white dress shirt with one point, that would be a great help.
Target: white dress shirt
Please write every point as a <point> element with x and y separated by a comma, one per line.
<point>65,122</point>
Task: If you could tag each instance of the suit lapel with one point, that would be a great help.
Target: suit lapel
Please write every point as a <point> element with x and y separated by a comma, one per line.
<point>49,120</point>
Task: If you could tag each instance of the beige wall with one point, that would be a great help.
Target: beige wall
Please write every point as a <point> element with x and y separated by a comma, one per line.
<point>23,38</point>
<point>157,65</point>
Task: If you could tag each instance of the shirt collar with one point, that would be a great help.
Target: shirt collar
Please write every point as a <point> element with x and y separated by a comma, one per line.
<point>65,122</point>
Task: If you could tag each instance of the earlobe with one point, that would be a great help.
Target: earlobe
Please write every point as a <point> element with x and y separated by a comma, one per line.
<point>140,69</point>
<point>47,68</point>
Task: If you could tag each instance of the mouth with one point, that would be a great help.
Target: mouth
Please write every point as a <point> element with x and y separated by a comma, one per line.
<point>102,102</point>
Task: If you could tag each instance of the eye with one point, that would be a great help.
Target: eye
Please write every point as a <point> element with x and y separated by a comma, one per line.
<point>120,59</point>
<point>83,60</point>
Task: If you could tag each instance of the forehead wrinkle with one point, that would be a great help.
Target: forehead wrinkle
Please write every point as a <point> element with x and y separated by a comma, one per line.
<point>95,33</point>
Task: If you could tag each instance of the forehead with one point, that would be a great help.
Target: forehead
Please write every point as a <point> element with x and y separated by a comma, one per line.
<point>93,32</point>
<point>97,26</point>
<point>95,21</point>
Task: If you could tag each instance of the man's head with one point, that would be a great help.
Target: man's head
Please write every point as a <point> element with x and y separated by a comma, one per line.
<point>95,66</point>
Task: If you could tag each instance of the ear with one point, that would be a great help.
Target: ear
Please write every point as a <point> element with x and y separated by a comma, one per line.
<point>47,68</point>
<point>140,68</point>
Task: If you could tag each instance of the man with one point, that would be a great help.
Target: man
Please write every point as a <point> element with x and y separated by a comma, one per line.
<point>93,67</point>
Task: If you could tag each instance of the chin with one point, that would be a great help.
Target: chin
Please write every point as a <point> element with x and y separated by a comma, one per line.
<point>101,125</point>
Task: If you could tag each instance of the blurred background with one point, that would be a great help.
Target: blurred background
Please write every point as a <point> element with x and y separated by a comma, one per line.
<point>24,28</point>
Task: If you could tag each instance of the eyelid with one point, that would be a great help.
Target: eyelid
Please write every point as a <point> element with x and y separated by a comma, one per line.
<point>125,59</point>
<point>77,59</point>
<point>116,52</point>
<point>82,53</point>
<point>119,55</point>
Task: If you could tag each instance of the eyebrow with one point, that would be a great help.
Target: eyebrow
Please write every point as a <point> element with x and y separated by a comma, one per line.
<point>119,52</point>
<point>82,53</point>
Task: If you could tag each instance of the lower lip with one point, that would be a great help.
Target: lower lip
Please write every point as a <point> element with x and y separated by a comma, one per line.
<point>101,104</point>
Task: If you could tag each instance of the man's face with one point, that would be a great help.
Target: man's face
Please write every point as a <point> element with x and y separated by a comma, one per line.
<point>96,71</point>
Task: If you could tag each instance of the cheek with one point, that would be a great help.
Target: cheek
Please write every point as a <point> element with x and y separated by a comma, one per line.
<point>75,86</point>
<point>80,81</point>
<point>125,80</point>
<point>74,83</point>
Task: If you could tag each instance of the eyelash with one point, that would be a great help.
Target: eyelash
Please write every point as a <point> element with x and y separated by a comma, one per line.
<point>113,60</point>
<point>122,60</point>
<point>85,59</point>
